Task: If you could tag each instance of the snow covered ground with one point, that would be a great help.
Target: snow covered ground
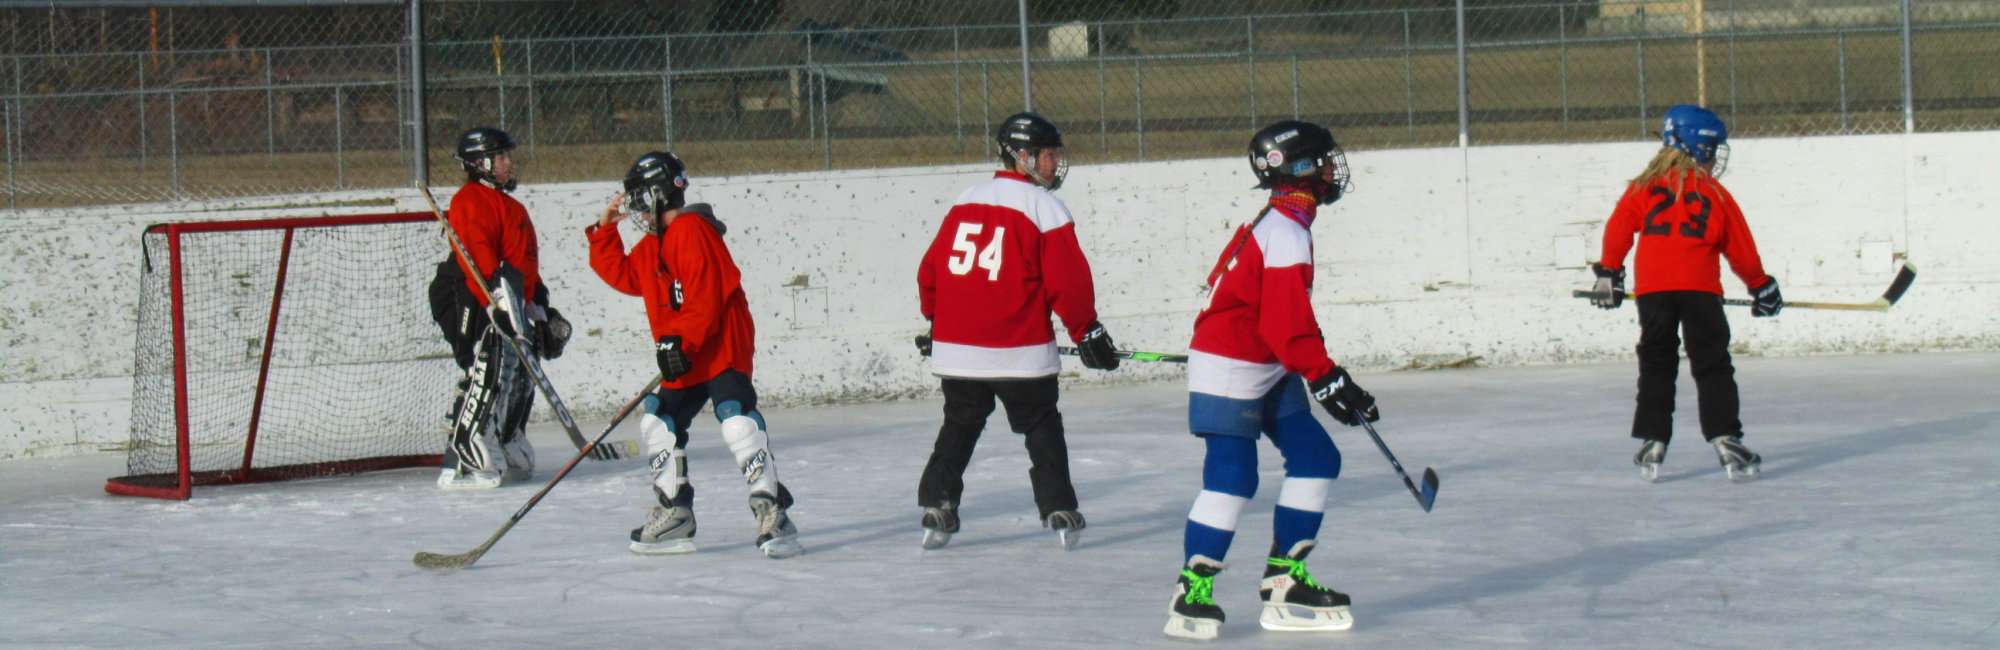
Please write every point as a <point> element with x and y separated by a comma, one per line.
<point>1877,524</point>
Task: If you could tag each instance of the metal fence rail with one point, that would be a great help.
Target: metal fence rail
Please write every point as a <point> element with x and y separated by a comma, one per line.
<point>269,101</point>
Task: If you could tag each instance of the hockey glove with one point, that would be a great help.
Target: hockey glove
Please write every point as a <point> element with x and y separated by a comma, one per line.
<point>924,344</point>
<point>673,358</point>
<point>1769,300</point>
<point>553,334</point>
<point>1096,349</point>
<point>1610,287</point>
<point>1337,393</point>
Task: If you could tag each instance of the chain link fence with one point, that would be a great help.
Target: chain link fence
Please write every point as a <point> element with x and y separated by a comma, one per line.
<point>112,103</point>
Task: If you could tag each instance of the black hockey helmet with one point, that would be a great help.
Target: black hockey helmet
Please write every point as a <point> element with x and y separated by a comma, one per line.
<point>1293,149</point>
<point>476,149</point>
<point>657,182</point>
<point>1028,133</point>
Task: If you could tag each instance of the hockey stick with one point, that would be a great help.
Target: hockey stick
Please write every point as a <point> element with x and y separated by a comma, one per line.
<point>1134,355</point>
<point>441,562</point>
<point>1904,278</point>
<point>1425,497</point>
<point>610,452</point>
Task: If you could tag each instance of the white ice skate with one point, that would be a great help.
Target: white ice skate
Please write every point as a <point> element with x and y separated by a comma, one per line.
<point>776,536</point>
<point>1193,613</point>
<point>1069,527</point>
<point>1650,455</point>
<point>939,525</point>
<point>1741,463</point>
<point>1294,602</point>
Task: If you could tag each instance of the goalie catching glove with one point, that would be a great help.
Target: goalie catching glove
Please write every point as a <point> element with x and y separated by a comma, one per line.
<point>1342,398</point>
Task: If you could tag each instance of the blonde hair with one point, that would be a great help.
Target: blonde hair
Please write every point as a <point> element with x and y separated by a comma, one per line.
<point>1670,160</point>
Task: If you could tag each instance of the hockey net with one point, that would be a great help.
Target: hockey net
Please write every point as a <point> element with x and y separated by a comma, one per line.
<point>285,348</point>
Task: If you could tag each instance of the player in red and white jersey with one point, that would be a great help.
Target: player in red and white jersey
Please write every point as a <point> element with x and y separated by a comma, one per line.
<point>1685,221</point>
<point>1257,351</point>
<point>1007,256</point>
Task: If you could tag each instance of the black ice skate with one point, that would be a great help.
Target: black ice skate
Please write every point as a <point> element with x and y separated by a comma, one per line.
<point>1068,525</point>
<point>939,525</point>
<point>1650,455</point>
<point>776,536</point>
<point>1741,463</point>
<point>1294,602</point>
<point>669,530</point>
<point>1194,614</point>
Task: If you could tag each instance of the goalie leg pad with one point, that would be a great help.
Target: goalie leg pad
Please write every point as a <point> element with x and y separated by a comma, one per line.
<point>474,443</point>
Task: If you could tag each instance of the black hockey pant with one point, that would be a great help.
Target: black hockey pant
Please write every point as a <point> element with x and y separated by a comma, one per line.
<point>1664,318</point>
<point>1031,410</point>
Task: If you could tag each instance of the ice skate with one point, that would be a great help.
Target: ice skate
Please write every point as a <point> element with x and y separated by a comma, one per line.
<point>1741,463</point>
<point>776,536</point>
<point>1194,614</point>
<point>1068,525</point>
<point>669,530</point>
<point>520,458</point>
<point>462,478</point>
<point>940,524</point>
<point>1650,455</point>
<point>1294,602</point>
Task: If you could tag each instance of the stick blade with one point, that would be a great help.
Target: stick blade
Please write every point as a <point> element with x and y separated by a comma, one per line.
<point>441,562</point>
<point>1904,278</point>
<point>1429,493</point>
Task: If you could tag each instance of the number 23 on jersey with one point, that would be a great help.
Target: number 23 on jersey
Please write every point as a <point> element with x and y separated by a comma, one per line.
<point>967,254</point>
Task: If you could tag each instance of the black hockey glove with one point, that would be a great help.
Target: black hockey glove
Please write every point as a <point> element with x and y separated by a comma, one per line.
<point>1337,393</point>
<point>1769,301</point>
<point>924,344</point>
<point>1096,349</point>
<point>1610,287</point>
<point>552,335</point>
<point>673,358</point>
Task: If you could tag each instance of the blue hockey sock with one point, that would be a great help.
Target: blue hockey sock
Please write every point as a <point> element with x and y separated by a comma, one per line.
<point>1311,464</point>
<point>1228,480</point>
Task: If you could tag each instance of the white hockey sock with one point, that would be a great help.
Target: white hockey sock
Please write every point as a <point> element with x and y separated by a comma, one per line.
<point>752,448</point>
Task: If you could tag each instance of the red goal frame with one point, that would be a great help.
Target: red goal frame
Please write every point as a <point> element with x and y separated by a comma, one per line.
<point>179,485</point>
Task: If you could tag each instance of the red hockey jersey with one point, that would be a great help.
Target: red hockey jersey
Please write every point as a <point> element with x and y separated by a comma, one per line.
<point>1005,257</point>
<point>692,290</point>
<point>495,228</point>
<point>1680,236</point>
<point>1259,322</point>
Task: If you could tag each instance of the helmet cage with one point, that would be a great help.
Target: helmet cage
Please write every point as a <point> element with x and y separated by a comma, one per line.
<point>1026,160</point>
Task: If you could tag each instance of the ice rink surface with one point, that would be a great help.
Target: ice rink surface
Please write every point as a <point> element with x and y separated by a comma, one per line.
<point>1876,524</point>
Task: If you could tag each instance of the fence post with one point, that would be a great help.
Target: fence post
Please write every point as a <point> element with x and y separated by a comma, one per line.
<point>339,139</point>
<point>1103,119</point>
<point>1640,60</point>
<point>826,122</point>
<point>500,81</point>
<point>667,92</point>
<point>1562,63</point>
<point>16,125</point>
<point>1464,99</point>
<point>1027,84</point>
<point>13,186</point>
<point>174,145</point>
<point>1139,102</point>
<point>1295,86</point>
<point>958,95</point>
<point>1840,45</point>
<point>143,159</point>
<point>985,100</point>
<point>812,122</point>
<point>1250,57</point>
<point>1409,79</point>
<point>270,111</point>
<point>1732,60</point>
<point>1909,83</point>
<point>419,131</point>
<point>529,45</point>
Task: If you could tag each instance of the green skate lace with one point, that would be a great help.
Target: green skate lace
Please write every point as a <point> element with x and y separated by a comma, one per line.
<point>1201,590</point>
<point>1297,569</point>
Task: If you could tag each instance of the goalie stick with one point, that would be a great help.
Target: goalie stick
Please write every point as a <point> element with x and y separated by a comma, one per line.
<point>1426,496</point>
<point>442,562</point>
<point>1134,355</point>
<point>1904,278</point>
<point>613,451</point>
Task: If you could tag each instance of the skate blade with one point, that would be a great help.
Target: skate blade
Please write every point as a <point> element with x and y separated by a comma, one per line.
<point>1280,618</point>
<point>935,539</point>
<point>1742,474</point>
<point>676,546</point>
<point>1069,538</point>
<point>779,548</point>
<point>469,482</point>
<point>1649,473</point>
<point>1199,629</point>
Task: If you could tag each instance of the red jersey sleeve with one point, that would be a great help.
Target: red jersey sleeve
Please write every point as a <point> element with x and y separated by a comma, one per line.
<point>927,280</point>
<point>1066,282</point>
<point>609,259</point>
<point>1287,323</point>
<point>1621,228</point>
<point>1737,243</point>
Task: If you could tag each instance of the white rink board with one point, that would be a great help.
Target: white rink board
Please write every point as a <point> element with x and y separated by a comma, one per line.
<point>1874,526</point>
<point>1416,266</point>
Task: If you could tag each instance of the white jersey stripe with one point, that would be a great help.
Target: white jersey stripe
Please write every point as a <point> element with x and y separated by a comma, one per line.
<point>974,362</point>
<point>1222,376</point>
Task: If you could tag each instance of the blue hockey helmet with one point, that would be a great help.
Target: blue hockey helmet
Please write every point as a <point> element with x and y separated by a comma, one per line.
<point>1698,132</point>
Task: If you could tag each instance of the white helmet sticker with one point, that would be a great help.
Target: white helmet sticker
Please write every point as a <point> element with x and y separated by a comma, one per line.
<point>1274,157</point>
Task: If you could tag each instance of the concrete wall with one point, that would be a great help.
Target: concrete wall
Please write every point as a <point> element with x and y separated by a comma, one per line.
<point>1418,267</point>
